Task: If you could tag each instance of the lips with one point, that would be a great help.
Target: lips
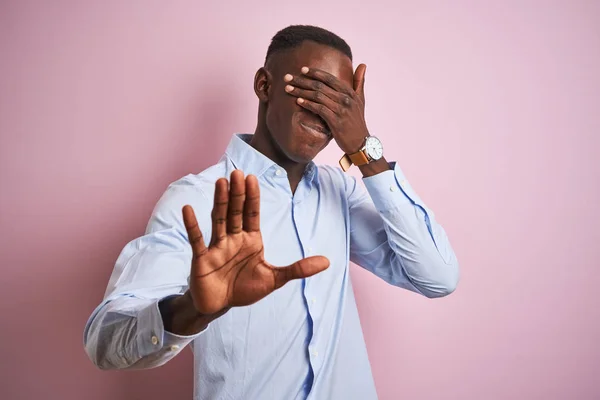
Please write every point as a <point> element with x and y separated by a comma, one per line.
<point>316,126</point>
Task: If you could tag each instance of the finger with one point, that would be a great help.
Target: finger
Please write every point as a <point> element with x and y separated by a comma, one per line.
<point>330,80</point>
<point>314,96</point>
<point>359,80</point>
<point>300,269</point>
<point>252,205</point>
<point>219,212</point>
<point>237,196</point>
<point>193,231</point>
<point>307,83</point>
<point>319,109</point>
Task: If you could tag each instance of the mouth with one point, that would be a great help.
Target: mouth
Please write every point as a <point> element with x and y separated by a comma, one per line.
<point>316,129</point>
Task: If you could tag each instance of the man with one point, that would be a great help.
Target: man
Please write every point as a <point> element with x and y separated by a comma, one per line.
<point>258,330</point>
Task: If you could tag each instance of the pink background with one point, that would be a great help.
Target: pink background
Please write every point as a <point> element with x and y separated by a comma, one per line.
<point>493,112</point>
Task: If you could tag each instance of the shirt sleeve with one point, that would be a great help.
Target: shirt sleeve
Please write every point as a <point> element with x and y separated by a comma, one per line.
<point>126,330</point>
<point>395,236</point>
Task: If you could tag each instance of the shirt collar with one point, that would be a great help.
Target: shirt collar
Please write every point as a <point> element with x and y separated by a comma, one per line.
<point>246,158</point>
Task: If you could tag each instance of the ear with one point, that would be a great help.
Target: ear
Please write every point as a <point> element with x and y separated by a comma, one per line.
<point>262,84</point>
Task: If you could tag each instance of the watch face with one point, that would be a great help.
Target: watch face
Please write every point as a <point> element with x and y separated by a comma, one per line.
<point>374,148</point>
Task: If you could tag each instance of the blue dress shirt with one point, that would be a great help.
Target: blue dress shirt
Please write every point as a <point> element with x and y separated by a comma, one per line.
<point>304,341</point>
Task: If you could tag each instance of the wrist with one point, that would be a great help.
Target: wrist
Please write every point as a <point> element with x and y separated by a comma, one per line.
<point>374,168</point>
<point>355,145</point>
<point>180,317</point>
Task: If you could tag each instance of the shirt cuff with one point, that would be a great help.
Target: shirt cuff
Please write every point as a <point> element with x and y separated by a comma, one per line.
<point>152,336</point>
<point>390,189</point>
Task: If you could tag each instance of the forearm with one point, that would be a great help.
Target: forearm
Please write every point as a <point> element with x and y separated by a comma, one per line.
<point>400,239</point>
<point>418,249</point>
<point>128,333</point>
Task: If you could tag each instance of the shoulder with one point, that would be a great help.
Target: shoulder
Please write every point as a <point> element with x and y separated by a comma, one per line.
<point>203,182</point>
<point>196,190</point>
<point>194,185</point>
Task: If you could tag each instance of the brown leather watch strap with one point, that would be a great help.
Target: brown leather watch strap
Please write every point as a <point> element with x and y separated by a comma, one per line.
<point>359,158</point>
<point>345,162</point>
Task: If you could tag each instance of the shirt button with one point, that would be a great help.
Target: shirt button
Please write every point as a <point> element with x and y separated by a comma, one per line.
<point>154,340</point>
<point>313,300</point>
<point>403,183</point>
<point>315,353</point>
<point>392,189</point>
<point>174,347</point>
<point>309,249</point>
<point>278,172</point>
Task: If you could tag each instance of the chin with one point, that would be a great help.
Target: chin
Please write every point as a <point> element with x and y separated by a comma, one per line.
<point>305,147</point>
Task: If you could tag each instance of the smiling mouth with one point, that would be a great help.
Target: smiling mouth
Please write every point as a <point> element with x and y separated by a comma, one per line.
<point>316,128</point>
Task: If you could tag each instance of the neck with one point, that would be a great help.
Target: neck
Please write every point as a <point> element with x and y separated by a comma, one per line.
<point>263,142</point>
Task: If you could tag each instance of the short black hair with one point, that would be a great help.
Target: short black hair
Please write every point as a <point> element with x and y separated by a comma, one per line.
<point>294,35</point>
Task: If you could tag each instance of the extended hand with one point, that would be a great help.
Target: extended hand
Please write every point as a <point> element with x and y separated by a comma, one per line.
<point>232,270</point>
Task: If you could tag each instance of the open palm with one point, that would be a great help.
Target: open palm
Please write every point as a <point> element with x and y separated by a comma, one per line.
<point>232,270</point>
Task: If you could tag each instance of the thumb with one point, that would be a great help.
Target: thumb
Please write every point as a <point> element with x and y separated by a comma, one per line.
<point>300,269</point>
<point>359,80</point>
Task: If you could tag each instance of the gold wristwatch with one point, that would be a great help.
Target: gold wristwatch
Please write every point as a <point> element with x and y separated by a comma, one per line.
<point>371,151</point>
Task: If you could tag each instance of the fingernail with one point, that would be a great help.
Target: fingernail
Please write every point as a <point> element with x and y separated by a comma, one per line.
<point>300,100</point>
<point>289,88</point>
<point>304,70</point>
<point>288,77</point>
